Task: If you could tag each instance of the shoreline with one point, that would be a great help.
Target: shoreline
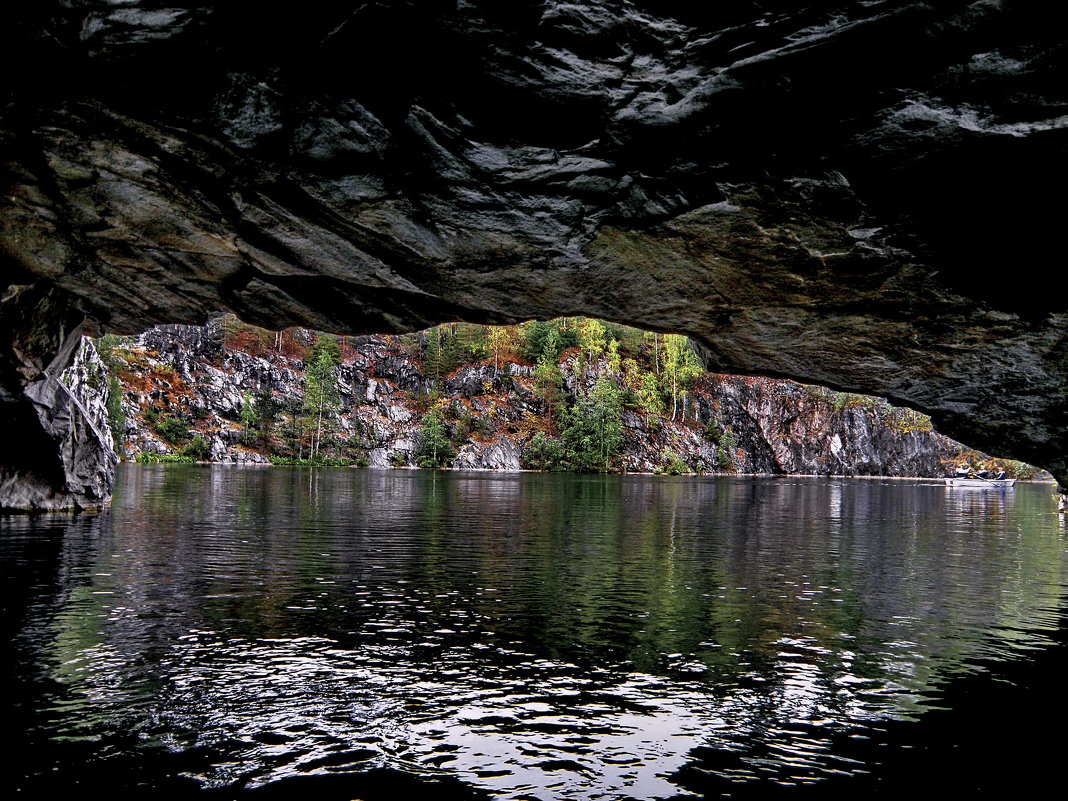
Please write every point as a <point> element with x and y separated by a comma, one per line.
<point>261,465</point>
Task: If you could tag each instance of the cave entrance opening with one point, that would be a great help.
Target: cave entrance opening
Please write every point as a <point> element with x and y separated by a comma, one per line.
<point>573,394</point>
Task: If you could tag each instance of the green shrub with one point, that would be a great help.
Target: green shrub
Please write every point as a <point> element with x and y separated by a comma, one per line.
<point>592,434</point>
<point>726,448</point>
<point>250,439</point>
<point>673,465</point>
<point>116,415</point>
<point>172,430</point>
<point>147,457</point>
<point>106,347</point>
<point>483,424</point>
<point>293,461</point>
<point>1020,470</point>
<point>907,421</point>
<point>435,450</point>
<point>713,432</point>
<point>198,449</point>
<point>543,453</point>
<point>850,400</point>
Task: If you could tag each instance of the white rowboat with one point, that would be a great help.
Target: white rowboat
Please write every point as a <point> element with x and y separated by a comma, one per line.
<point>980,483</point>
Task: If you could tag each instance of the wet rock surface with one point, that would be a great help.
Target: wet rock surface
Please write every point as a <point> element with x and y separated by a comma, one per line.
<point>814,192</point>
<point>62,452</point>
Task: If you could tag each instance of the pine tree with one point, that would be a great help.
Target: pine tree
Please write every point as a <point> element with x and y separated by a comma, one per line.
<point>567,329</point>
<point>593,433</point>
<point>550,351</point>
<point>608,419</point>
<point>432,357</point>
<point>451,349</point>
<point>266,411</point>
<point>320,393</point>
<point>434,450</point>
<point>116,415</point>
<point>534,335</point>
<point>543,453</point>
<point>296,429</point>
<point>471,342</point>
<point>325,348</point>
<point>549,384</point>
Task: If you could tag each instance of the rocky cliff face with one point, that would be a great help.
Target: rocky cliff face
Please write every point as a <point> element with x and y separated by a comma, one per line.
<point>785,427</point>
<point>75,456</point>
<point>729,423</point>
<point>809,190</point>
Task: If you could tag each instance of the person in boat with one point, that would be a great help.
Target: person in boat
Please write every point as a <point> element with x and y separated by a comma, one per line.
<point>982,472</point>
<point>962,471</point>
<point>999,476</point>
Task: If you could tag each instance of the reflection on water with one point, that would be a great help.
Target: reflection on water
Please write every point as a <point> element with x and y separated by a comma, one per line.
<point>537,636</point>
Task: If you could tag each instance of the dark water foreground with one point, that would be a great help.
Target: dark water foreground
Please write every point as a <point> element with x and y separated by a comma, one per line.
<point>364,634</point>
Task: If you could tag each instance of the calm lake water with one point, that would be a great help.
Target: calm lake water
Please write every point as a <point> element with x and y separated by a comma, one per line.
<point>363,633</point>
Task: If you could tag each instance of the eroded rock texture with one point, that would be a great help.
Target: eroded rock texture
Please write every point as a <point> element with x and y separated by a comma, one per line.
<point>58,455</point>
<point>726,424</point>
<point>818,191</point>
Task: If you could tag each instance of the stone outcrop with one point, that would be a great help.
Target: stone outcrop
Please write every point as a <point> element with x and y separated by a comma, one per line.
<point>785,427</point>
<point>72,466</point>
<point>815,191</point>
<point>728,424</point>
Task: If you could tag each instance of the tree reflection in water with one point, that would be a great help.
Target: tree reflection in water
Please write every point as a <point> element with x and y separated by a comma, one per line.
<point>536,635</point>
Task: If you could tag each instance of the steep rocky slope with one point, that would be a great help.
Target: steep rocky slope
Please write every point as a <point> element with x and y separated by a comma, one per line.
<point>73,426</point>
<point>809,190</point>
<point>728,423</point>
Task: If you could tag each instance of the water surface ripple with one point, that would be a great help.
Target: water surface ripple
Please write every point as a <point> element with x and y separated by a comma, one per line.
<point>525,636</point>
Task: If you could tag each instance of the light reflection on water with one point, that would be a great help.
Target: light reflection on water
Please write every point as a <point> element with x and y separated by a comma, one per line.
<point>538,636</point>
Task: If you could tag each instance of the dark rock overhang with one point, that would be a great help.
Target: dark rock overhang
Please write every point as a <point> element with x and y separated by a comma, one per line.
<point>849,193</point>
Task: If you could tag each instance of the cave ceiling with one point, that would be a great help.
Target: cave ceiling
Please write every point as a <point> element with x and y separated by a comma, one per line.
<point>860,194</point>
